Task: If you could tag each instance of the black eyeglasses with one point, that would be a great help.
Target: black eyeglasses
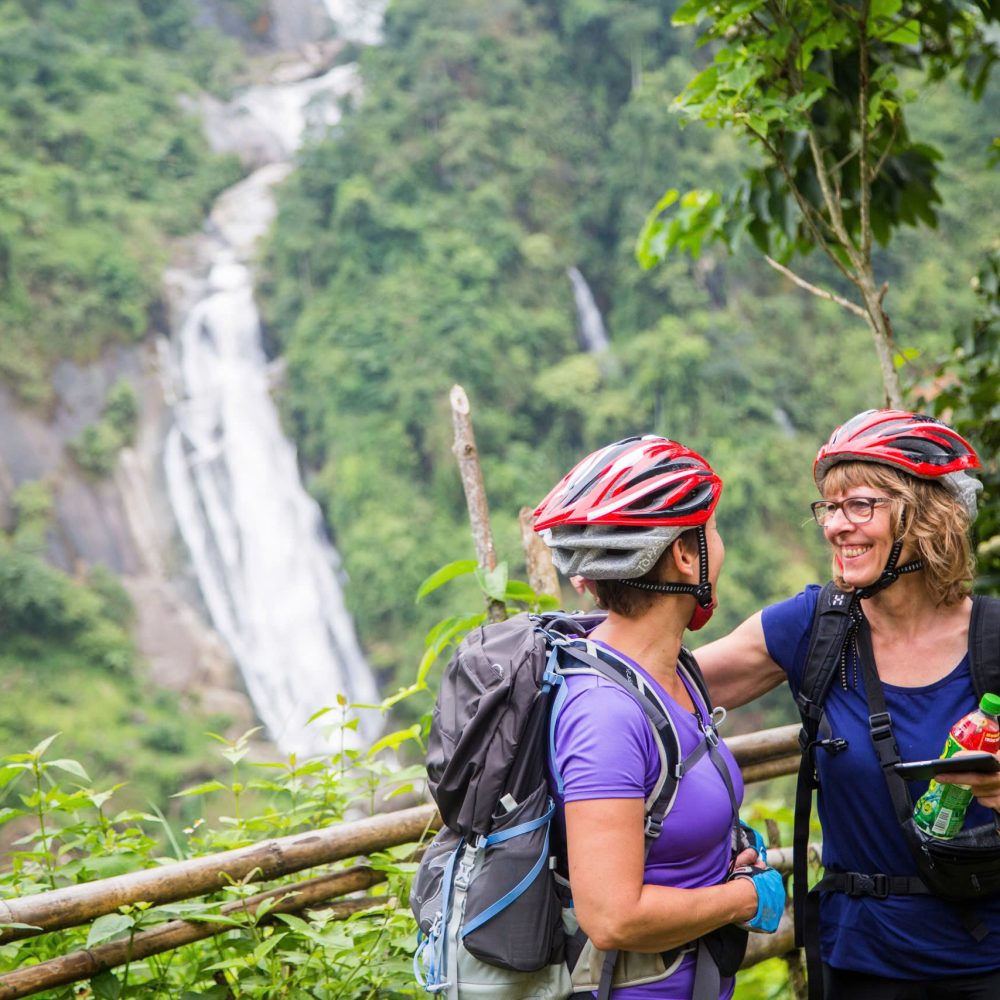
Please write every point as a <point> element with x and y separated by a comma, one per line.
<point>857,510</point>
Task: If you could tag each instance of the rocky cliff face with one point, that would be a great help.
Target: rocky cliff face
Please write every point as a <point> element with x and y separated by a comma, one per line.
<point>122,522</point>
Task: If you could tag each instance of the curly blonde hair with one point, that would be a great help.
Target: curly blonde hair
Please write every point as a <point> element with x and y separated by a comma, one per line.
<point>923,513</point>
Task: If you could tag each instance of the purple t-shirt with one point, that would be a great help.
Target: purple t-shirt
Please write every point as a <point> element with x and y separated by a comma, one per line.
<point>604,749</point>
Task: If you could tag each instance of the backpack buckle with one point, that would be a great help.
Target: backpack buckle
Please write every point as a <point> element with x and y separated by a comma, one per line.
<point>880,726</point>
<point>860,884</point>
<point>653,827</point>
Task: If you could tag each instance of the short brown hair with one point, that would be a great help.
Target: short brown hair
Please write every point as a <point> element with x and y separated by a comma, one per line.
<point>631,602</point>
<point>924,513</point>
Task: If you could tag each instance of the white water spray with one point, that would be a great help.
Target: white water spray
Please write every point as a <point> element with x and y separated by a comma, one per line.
<point>269,576</point>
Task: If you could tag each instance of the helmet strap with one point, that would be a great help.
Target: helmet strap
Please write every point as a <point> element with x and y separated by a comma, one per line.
<point>891,573</point>
<point>702,591</point>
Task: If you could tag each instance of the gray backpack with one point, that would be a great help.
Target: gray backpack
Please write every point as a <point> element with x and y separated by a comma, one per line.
<point>494,915</point>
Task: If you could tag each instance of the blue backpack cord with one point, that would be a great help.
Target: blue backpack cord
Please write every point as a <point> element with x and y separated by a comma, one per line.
<point>504,901</point>
<point>431,950</point>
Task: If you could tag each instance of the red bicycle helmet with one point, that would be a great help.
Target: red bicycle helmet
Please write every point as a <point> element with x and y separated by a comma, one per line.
<point>616,512</point>
<point>640,481</point>
<point>912,442</point>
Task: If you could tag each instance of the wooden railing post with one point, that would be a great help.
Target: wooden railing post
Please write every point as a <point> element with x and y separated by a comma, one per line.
<point>471,472</point>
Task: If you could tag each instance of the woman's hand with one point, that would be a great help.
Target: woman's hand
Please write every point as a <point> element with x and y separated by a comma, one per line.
<point>985,786</point>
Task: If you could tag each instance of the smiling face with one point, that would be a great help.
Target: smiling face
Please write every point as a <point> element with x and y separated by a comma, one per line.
<point>860,551</point>
<point>933,524</point>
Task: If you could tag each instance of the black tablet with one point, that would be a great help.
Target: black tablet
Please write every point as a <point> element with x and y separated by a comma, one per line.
<point>924,770</point>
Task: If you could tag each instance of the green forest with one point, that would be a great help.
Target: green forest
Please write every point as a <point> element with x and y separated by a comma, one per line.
<point>426,241</point>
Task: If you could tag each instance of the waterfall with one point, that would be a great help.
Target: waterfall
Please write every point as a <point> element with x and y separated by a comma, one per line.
<point>269,577</point>
<point>359,22</point>
<point>590,324</point>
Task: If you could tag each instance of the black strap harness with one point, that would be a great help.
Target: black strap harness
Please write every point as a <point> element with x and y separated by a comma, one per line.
<point>840,637</point>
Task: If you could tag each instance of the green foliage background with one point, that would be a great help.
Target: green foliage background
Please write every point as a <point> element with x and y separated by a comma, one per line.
<point>99,164</point>
<point>426,242</point>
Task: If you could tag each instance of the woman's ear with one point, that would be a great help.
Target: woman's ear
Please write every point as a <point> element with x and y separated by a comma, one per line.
<point>684,556</point>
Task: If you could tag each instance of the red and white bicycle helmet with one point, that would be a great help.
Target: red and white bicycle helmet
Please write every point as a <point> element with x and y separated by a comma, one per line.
<point>913,442</point>
<point>614,514</point>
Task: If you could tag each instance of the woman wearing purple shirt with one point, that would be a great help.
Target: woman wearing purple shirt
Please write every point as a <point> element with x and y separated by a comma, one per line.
<point>636,521</point>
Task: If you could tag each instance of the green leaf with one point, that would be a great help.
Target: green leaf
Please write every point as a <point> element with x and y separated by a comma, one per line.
<point>70,766</point>
<point>109,926</point>
<point>106,986</point>
<point>884,8</point>
<point>689,12</point>
<point>518,590</point>
<point>44,745</point>
<point>460,567</point>
<point>203,789</point>
<point>394,740</point>
<point>493,582</point>
<point>905,34</point>
<point>8,774</point>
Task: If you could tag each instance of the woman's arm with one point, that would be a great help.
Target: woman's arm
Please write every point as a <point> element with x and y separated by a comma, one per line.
<point>738,667</point>
<point>614,906</point>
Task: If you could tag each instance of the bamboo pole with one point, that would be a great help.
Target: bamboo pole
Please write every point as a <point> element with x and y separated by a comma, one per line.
<point>471,472</point>
<point>79,904</point>
<point>754,748</point>
<point>542,576</point>
<point>761,947</point>
<point>90,962</point>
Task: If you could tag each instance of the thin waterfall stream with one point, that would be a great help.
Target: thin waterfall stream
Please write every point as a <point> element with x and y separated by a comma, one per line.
<point>267,572</point>
<point>590,324</point>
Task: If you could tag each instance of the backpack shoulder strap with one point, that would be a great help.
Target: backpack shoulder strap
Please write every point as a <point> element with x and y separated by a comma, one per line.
<point>984,645</point>
<point>692,669</point>
<point>576,660</point>
<point>831,621</point>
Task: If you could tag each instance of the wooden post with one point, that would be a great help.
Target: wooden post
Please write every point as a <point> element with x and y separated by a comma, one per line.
<point>792,957</point>
<point>542,576</point>
<point>471,472</point>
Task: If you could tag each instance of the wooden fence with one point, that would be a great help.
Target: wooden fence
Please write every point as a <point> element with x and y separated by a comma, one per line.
<point>761,756</point>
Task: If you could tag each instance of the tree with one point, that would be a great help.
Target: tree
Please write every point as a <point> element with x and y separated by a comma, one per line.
<point>818,88</point>
<point>966,391</point>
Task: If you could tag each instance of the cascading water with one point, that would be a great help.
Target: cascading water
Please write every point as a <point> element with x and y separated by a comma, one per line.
<point>268,574</point>
<point>593,336</point>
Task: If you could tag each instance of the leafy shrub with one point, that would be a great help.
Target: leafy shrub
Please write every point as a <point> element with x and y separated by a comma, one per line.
<point>77,836</point>
<point>96,447</point>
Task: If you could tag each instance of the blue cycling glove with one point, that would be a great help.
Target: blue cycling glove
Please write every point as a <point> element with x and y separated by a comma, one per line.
<point>770,896</point>
<point>745,837</point>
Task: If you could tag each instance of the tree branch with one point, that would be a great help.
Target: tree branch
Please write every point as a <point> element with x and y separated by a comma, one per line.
<point>814,290</point>
<point>467,455</point>
<point>864,176</point>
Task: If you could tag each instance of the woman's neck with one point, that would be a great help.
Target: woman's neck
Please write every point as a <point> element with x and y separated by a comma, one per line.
<point>653,639</point>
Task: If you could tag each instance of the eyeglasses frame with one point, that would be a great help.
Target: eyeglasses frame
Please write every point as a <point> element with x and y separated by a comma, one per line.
<point>836,505</point>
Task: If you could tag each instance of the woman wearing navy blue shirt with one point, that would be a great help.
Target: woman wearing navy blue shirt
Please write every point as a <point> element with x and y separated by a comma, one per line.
<point>897,503</point>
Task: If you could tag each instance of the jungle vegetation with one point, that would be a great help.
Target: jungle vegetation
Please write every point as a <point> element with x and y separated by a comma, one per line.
<point>425,242</point>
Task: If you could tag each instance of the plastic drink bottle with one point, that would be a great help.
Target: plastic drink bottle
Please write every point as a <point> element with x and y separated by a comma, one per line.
<point>940,811</point>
